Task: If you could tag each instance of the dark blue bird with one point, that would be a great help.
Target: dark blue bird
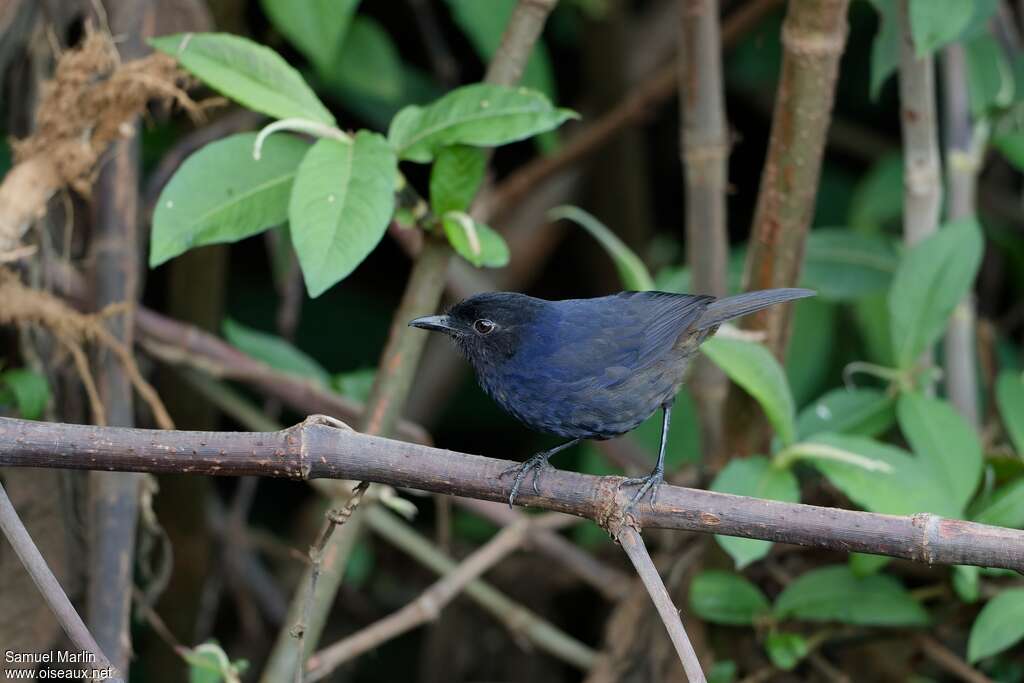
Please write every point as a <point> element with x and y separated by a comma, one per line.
<point>589,368</point>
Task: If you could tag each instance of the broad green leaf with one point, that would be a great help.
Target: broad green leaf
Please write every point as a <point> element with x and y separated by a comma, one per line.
<point>934,23</point>
<point>222,194</point>
<point>933,276</point>
<point>1010,398</point>
<point>1004,507</point>
<point>967,582</point>
<point>836,594</point>
<point>355,384</point>
<point>885,49</point>
<point>208,663</point>
<point>843,265</point>
<point>683,444</point>
<point>726,598</point>
<point>481,115</point>
<point>1000,625</point>
<point>755,369</point>
<point>941,438</point>
<point>878,198</point>
<point>360,563</point>
<point>906,485</point>
<point>29,390</point>
<point>979,23</point>
<point>369,63</point>
<point>343,198</point>
<point>252,75</point>
<point>722,672</point>
<point>810,354</point>
<point>990,80</point>
<point>316,27</point>
<point>754,476</point>
<point>477,243</point>
<point>786,649</point>
<point>864,412</point>
<point>632,271</point>
<point>274,351</point>
<point>864,564</point>
<point>455,178</point>
<point>1011,146</point>
<point>484,24</point>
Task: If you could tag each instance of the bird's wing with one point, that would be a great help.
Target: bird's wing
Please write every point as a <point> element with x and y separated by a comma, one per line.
<point>605,340</point>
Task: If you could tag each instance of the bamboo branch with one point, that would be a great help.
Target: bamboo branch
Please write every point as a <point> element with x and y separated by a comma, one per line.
<point>115,251</point>
<point>631,542</point>
<point>963,163</point>
<point>922,173</point>
<point>813,37</point>
<point>704,147</point>
<point>311,450</point>
<point>26,550</point>
<point>429,604</point>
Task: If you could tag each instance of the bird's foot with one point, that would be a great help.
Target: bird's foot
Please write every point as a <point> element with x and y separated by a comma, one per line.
<point>649,483</point>
<point>535,464</point>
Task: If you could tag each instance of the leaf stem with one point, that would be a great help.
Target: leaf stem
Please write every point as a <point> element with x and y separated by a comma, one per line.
<point>314,128</point>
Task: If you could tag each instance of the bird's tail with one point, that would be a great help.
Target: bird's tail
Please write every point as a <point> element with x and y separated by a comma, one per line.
<point>731,307</point>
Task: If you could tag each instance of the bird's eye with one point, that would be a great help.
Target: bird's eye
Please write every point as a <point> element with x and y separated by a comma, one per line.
<point>484,326</point>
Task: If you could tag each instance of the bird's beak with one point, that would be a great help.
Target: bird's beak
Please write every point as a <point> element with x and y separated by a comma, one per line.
<point>436,323</point>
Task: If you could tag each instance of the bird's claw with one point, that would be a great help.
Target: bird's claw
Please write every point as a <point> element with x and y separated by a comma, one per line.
<point>536,464</point>
<point>649,483</point>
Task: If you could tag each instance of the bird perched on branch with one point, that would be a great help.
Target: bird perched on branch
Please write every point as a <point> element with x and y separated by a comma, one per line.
<point>589,368</point>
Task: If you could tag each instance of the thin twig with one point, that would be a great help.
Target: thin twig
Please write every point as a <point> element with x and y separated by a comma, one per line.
<point>631,542</point>
<point>26,550</point>
<point>949,660</point>
<point>333,518</point>
<point>429,604</point>
<point>311,450</point>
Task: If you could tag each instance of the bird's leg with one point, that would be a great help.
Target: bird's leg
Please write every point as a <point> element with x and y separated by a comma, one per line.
<point>653,480</point>
<point>535,463</point>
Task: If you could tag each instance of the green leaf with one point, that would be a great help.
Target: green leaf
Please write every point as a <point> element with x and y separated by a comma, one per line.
<point>1004,507</point>
<point>221,194</point>
<point>369,63</point>
<point>274,351</point>
<point>1011,146</point>
<point>481,115</point>
<point>754,476</point>
<point>484,24</point>
<point>316,27</point>
<point>355,384</point>
<point>966,582</point>
<point>455,178</point>
<point>865,412</point>
<point>786,649</point>
<point>208,663</point>
<point>252,75</point>
<point>722,671</point>
<point>755,369</point>
<point>360,563</point>
<point>29,389</point>
<point>906,485</point>
<point>1000,625</point>
<point>933,276</point>
<point>875,328</point>
<point>934,23</point>
<point>1010,398</point>
<point>990,80</point>
<point>864,564</point>
<point>810,354</point>
<point>726,598</point>
<point>836,594</point>
<point>632,271</point>
<point>878,198</point>
<point>343,198</point>
<point>945,441</point>
<point>885,49</point>
<point>843,265</point>
<point>474,241</point>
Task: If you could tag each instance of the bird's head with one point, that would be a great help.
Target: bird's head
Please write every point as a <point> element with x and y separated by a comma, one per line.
<point>486,327</point>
